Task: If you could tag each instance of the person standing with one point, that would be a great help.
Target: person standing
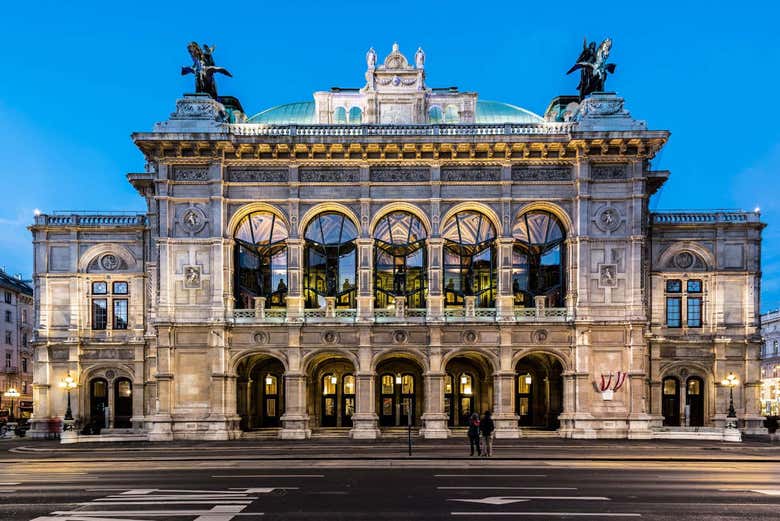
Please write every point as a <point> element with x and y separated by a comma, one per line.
<point>486,427</point>
<point>474,433</point>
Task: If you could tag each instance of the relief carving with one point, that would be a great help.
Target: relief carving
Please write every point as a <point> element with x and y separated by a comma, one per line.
<point>400,174</point>
<point>556,173</point>
<point>607,172</point>
<point>329,175</point>
<point>190,173</point>
<point>256,175</point>
<point>470,174</point>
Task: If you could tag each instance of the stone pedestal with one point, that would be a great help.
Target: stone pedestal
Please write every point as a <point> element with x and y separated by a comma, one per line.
<point>365,420</point>
<point>434,426</point>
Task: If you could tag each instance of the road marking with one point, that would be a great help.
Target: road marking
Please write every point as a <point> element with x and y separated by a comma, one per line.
<point>506,488</point>
<point>767,491</point>
<point>475,475</point>
<point>268,476</point>
<point>545,514</point>
<point>505,500</point>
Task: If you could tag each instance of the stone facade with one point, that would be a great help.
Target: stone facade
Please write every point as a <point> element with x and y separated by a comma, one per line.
<point>563,295</point>
<point>16,328</point>
<point>770,363</point>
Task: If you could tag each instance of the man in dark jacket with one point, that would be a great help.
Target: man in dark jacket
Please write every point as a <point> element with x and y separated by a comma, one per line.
<point>474,433</point>
<point>486,427</point>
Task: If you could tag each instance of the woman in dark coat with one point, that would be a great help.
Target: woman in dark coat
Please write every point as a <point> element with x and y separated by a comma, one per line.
<point>474,433</point>
<point>486,427</point>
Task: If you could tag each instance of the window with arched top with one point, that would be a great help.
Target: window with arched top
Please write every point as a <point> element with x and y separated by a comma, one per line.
<point>451,114</point>
<point>261,260</point>
<point>330,260</point>
<point>355,116</point>
<point>340,115</point>
<point>400,260</point>
<point>435,115</point>
<point>469,259</point>
<point>538,259</point>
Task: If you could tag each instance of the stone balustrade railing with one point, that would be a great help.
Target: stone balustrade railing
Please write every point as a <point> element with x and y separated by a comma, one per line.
<point>91,220</point>
<point>704,217</point>
<point>510,129</point>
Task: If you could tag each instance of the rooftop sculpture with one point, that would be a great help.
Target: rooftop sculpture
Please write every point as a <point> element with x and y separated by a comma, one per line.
<point>204,69</point>
<point>593,67</point>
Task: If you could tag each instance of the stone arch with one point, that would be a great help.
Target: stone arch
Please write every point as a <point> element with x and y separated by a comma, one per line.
<point>237,358</point>
<point>404,207</point>
<point>691,369</point>
<point>409,353</point>
<point>98,250</point>
<point>697,250</point>
<point>310,360</point>
<point>247,209</point>
<point>317,209</point>
<point>482,208</point>
<point>490,359</point>
<point>554,209</point>
<point>99,370</point>
<point>561,357</point>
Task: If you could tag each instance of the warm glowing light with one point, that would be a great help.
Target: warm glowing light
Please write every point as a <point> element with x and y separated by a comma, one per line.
<point>268,379</point>
<point>12,393</point>
<point>467,389</point>
<point>464,379</point>
<point>528,379</point>
<point>36,212</point>
<point>398,379</point>
<point>68,382</point>
<point>333,379</point>
<point>731,380</point>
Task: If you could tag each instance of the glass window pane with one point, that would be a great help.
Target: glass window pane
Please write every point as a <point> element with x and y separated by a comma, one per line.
<point>524,384</point>
<point>694,311</point>
<point>673,312</point>
<point>120,314</point>
<point>328,384</point>
<point>407,384</point>
<point>125,389</point>
<point>694,387</point>
<point>387,406</point>
<point>673,286</point>
<point>465,384</point>
<point>448,384</point>
<point>694,286</point>
<point>270,406</point>
<point>435,115</point>
<point>270,383</point>
<point>99,288</point>
<point>670,387</point>
<point>340,115</point>
<point>99,389</point>
<point>349,384</point>
<point>388,384</point>
<point>119,288</point>
<point>355,116</point>
<point>99,313</point>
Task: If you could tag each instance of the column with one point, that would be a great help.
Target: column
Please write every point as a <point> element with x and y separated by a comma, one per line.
<point>41,396</point>
<point>434,418</point>
<point>505,298</point>
<point>365,286</point>
<point>295,421</point>
<point>365,419</point>
<point>503,405</point>
<point>161,422</point>
<point>295,301</point>
<point>435,301</point>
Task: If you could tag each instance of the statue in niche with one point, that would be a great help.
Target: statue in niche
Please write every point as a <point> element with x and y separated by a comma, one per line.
<point>204,69</point>
<point>371,58</point>
<point>593,67</point>
<point>419,58</point>
<point>192,277</point>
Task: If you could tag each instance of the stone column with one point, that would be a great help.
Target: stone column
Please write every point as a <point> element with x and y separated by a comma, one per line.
<point>505,299</point>
<point>41,399</point>
<point>503,405</point>
<point>161,422</point>
<point>365,419</point>
<point>434,418</point>
<point>365,283</point>
<point>435,294</point>
<point>295,300</point>
<point>295,421</point>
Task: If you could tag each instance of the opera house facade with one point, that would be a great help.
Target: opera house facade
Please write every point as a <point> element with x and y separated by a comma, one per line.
<point>397,255</point>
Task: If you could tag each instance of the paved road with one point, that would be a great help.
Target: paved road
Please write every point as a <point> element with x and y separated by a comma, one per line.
<point>153,484</point>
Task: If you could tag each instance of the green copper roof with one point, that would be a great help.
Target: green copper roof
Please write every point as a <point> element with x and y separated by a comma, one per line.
<point>302,113</point>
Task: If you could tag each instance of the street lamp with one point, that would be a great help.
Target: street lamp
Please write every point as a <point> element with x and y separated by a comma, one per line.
<point>731,381</point>
<point>12,393</point>
<point>68,383</point>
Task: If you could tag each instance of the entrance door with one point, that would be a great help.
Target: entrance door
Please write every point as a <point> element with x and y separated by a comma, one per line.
<point>123,403</point>
<point>670,401</point>
<point>694,399</point>
<point>407,400</point>
<point>347,399</point>
<point>465,398</point>
<point>98,399</point>
<point>524,399</point>
<point>448,400</point>
<point>270,401</point>
<point>329,400</point>
<point>387,401</point>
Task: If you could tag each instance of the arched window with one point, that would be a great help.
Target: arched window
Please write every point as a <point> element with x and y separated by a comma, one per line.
<point>261,260</point>
<point>340,115</point>
<point>399,260</point>
<point>435,115</point>
<point>451,114</point>
<point>355,116</point>
<point>537,259</point>
<point>331,260</point>
<point>469,253</point>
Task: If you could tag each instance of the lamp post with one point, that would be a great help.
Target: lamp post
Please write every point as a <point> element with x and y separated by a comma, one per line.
<point>731,381</point>
<point>68,383</point>
<point>12,393</point>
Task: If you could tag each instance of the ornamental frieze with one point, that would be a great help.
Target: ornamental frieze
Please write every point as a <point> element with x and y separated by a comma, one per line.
<point>557,173</point>
<point>607,172</point>
<point>190,173</point>
<point>470,174</point>
<point>329,175</point>
<point>395,174</point>
<point>257,175</point>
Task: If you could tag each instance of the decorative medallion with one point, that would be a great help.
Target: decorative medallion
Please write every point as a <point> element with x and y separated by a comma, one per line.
<point>608,218</point>
<point>110,374</point>
<point>470,337</point>
<point>400,336</point>
<point>539,336</point>
<point>109,262</point>
<point>683,260</point>
<point>330,337</point>
<point>261,337</point>
<point>193,220</point>
<point>192,277</point>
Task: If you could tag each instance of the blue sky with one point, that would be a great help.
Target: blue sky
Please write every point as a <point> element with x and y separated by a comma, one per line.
<point>81,76</point>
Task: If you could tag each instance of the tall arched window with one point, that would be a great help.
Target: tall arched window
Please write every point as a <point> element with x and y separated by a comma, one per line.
<point>469,259</point>
<point>261,260</point>
<point>451,114</point>
<point>399,260</point>
<point>340,115</point>
<point>435,115</point>
<point>538,259</point>
<point>331,260</point>
<point>355,116</point>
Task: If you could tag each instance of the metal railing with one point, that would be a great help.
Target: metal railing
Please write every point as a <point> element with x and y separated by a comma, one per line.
<point>536,314</point>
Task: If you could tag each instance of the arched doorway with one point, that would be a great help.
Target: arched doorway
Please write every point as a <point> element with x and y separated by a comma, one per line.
<point>123,403</point>
<point>98,399</point>
<point>332,392</point>
<point>467,388</point>
<point>694,401</point>
<point>399,392</point>
<point>539,391</point>
<point>670,401</point>
<point>260,392</point>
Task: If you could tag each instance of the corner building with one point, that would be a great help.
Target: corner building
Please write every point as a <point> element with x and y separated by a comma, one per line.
<point>398,253</point>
